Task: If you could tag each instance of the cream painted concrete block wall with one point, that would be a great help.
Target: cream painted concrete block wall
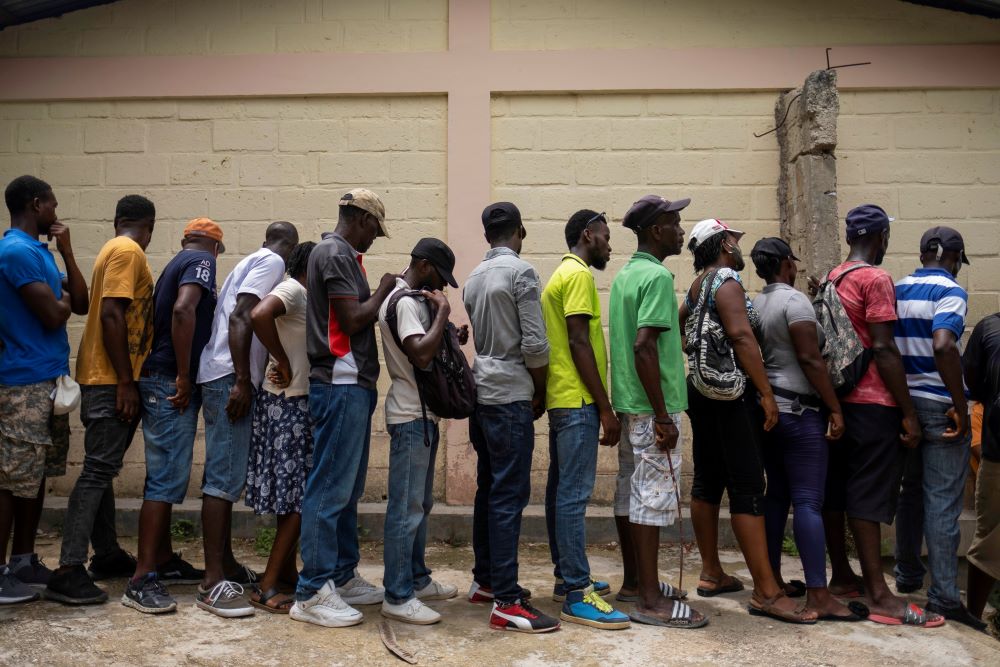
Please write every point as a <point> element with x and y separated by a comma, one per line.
<point>599,24</point>
<point>176,27</point>
<point>243,163</point>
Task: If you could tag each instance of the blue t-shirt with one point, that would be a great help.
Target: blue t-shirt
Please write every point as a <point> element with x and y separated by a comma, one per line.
<point>194,267</point>
<point>31,353</point>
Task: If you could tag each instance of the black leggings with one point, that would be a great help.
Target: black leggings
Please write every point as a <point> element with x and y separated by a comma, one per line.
<point>727,451</point>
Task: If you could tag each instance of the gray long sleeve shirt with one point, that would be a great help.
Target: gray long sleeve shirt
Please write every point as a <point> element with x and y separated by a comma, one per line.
<point>503,299</point>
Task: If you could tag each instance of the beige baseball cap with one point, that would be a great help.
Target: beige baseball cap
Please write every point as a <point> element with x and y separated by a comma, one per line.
<point>367,201</point>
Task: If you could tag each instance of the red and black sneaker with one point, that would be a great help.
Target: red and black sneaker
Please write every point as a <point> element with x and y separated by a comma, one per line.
<point>483,594</point>
<point>520,616</point>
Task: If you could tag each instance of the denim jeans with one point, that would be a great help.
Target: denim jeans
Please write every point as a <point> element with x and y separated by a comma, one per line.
<point>573,442</point>
<point>169,438</point>
<point>90,513</point>
<point>227,443</point>
<point>795,457</point>
<point>930,504</point>
<point>504,439</point>
<point>411,497</point>
<point>342,428</point>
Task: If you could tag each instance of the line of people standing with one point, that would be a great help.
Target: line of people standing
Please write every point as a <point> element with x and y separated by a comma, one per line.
<point>285,370</point>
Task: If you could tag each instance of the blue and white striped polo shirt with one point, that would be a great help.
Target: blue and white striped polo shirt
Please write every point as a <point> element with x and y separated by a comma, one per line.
<point>927,300</point>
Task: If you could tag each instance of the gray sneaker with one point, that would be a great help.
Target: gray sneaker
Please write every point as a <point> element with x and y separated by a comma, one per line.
<point>225,599</point>
<point>148,595</point>
<point>13,590</point>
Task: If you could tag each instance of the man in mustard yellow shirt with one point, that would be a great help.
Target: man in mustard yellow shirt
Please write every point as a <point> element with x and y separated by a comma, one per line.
<point>576,398</point>
<point>115,342</point>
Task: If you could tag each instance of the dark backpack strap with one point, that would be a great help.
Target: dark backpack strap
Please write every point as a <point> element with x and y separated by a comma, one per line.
<point>855,267</point>
<point>390,312</point>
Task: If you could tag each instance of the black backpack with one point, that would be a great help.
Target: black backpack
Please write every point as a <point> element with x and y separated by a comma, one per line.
<point>847,358</point>
<point>447,388</point>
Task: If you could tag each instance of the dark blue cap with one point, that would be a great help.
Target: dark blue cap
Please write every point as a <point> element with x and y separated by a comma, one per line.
<point>866,219</point>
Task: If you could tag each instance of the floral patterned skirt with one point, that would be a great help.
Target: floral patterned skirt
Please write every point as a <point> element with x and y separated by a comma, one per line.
<point>281,450</point>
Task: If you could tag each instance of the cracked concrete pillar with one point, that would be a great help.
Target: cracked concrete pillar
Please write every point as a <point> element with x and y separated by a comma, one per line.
<point>807,187</point>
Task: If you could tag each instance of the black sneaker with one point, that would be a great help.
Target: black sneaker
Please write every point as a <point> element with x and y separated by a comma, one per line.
<point>148,595</point>
<point>179,571</point>
<point>244,576</point>
<point>958,614</point>
<point>115,565</point>
<point>32,571</point>
<point>74,587</point>
<point>12,589</point>
<point>520,616</point>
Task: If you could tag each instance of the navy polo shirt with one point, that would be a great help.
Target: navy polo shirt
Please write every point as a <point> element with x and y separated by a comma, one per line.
<point>31,353</point>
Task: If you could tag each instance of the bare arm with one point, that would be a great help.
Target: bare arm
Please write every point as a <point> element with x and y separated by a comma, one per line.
<point>263,321</point>
<point>421,348</point>
<point>647,366</point>
<point>182,323</point>
<point>580,348</point>
<point>353,315</point>
<point>74,283</point>
<point>890,368</point>
<point>42,302</point>
<point>948,361</point>
<point>805,340</point>
<point>115,339</point>
<point>730,302</point>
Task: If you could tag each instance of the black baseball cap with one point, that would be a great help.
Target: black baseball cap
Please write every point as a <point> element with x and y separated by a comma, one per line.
<point>866,219</point>
<point>439,254</point>
<point>644,212</point>
<point>500,214</point>
<point>772,245</point>
<point>945,238</point>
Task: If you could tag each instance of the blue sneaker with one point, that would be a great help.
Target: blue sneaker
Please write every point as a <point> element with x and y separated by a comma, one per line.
<point>602,588</point>
<point>586,607</point>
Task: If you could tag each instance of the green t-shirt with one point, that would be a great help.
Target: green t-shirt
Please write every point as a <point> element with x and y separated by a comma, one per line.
<point>571,291</point>
<point>642,295</point>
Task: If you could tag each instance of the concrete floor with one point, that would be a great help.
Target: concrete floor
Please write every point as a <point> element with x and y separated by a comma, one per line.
<point>111,634</point>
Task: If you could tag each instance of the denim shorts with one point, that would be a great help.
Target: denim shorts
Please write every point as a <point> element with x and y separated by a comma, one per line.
<point>169,438</point>
<point>227,444</point>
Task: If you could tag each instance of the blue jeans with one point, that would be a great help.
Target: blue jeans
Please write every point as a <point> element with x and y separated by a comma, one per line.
<point>169,438</point>
<point>227,444</point>
<point>930,504</point>
<point>411,497</point>
<point>795,457</point>
<point>504,439</point>
<point>573,442</point>
<point>342,429</point>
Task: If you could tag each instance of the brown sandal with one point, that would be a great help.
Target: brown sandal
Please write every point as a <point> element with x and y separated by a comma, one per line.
<point>282,607</point>
<point>765,607</point>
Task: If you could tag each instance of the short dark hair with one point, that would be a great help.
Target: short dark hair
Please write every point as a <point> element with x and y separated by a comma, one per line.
<point>134,208</point>
<point>299,259</point>
<point>502,230</point>
<point>766,264</point>
<point>23,190</point>
<point>707,252</point>
<point>578,222</point>
<point>280,230</point>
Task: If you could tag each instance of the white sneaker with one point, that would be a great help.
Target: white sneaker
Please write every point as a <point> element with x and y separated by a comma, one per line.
<point>361,591</point>
<point>437,591</point>
<point>326,608</point>
<point>412,611</point>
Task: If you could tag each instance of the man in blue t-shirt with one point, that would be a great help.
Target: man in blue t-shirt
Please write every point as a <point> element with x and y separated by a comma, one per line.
<point>37,299</point>
<point>183,306</point>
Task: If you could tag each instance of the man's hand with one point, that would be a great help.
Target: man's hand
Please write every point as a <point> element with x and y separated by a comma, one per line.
<point>280,374</point>
<point>538,405</point>
<point>812,286</point>
<point>387,283</point>
<point>463,334</point>
<point>439,301</point>
<point>127,401</point>
<point>182,397</point>
<point>835,429</point>
<point>60,233</point>
<point>770,412</point>
<point>911,431</point>
<point>666,433</point>
<point>612,428</point>
<point>961,421</point>
<point>240,397</point>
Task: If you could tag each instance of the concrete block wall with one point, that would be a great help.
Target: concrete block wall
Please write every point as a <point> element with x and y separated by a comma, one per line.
<point>243,163</point>
<point>190,27</point>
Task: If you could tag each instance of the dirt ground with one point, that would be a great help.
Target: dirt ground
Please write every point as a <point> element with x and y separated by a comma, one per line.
<point>48,633</point>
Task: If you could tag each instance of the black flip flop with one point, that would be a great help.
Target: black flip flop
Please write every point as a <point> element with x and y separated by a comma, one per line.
<point>735,587</point>
<point>798,588</point>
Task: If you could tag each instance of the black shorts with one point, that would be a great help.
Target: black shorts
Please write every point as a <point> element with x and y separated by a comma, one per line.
<point>866,465</point>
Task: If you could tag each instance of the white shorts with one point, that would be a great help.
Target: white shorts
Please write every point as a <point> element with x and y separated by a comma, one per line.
<point>644,489</point>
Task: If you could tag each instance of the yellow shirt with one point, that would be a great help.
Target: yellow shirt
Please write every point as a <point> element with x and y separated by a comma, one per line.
<point>121,271</point>
<point>571,291</point>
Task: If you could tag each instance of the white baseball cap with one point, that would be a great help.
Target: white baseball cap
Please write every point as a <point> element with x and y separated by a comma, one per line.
<point>706,229</point>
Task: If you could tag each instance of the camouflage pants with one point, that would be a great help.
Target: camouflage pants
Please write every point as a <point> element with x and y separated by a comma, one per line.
<point>33,441</point>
